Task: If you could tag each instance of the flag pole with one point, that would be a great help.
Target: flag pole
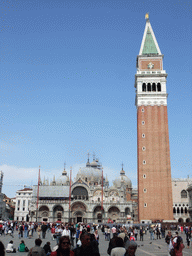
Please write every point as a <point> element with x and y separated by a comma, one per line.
<point>70,195</point>
<point>38,193</point>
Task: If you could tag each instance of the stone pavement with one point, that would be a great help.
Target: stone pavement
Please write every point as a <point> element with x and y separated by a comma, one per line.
<point>156,248</point>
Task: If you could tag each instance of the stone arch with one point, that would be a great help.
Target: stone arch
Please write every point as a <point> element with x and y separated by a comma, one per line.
<point>44,212</point>
<point>114,213</point>
<point>80,193</point>
<point>58,212</point>
<point>153,87</point>
<point>180,220</point>
<point>174,210</point>
<point>149,87</point>
<point>144,87</point>
<point>186,210</point>
<point>44,208</point>
<point>181,209</point>
<point>188,220</point>
<point>98,214</point>
<point>178,210</point>
<point>158,87</point>
<point>78,211</point>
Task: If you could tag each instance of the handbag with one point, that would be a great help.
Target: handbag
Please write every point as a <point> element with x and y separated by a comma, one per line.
<point>26,249</point>
<point>172,252</point>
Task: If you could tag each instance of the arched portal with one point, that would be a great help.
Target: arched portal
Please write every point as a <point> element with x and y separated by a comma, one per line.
<point>114,213</point>
<point>98,214</point>
<point>44,213</point>
<point>80,193</point>
<point>58,213</point>
<point>180,220</point>
<point>78,212</point>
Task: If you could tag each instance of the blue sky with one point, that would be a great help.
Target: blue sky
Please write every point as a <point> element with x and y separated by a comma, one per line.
<point>67,85</point>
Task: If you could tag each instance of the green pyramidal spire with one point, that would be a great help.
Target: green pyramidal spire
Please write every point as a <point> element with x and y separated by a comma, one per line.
<point>149,44</point>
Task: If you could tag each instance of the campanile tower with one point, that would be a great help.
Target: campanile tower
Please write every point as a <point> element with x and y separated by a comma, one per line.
<point>153,154</point>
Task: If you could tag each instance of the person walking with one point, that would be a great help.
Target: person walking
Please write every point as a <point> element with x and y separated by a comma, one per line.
<point>188,237</point>
<point>39,231</point>
<point>141,234</point>
<point>25,230</point>
<point>179,246</point>
<point>44,229</point>
<point>168,240</point>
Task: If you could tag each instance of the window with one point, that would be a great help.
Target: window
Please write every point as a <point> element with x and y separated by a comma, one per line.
<point>159,87</point>
<point>143,135</point>
<point>22,218</point>
<point>143,148</point>
<point>98,199</point>
<point>18,202</point>
<point>144,87</point>
<point>145,204</point>
<point>23,202</point>
<point>149,87</point>
<point>23,209</point>
<point>174,210</point>
<point>185,210</point>
<point>144,162</point>
<point>143,122</point>
<point>154,87</point>
<point>145,190</point>
<point>142,110</point>
<point>144,176</point>
<point>18,209</point>
<point>183,194</point>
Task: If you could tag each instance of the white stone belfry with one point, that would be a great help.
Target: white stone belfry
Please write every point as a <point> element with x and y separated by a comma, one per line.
<point>150,79</point>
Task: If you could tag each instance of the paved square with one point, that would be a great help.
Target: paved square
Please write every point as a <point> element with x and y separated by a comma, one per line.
<point>147,247</point>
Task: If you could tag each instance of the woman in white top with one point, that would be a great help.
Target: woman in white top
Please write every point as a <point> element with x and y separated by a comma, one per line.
<point>10,247</point>
<point>119,249</point>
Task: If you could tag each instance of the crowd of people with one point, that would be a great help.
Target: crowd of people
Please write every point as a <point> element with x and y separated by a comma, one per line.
<point>83,240</point>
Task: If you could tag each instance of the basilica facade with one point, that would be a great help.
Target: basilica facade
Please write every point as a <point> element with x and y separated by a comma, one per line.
<point>92,199</point>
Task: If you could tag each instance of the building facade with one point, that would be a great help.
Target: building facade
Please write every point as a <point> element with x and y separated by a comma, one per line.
<point>189,189</point>
<point>2,203</point>
<point>181,199</point>
<point>23,200</point>
<point>153,154</point>
<point>92,199</point>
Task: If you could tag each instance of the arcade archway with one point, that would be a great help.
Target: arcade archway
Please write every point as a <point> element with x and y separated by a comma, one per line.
<point>98,214</point>
<point>114,213</point>
<point>58,213</point>
<point>78,212</point>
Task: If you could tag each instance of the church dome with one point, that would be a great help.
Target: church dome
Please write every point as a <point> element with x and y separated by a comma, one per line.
<point>122,180</point>
<point>63,179</point>
<point>89,174</point>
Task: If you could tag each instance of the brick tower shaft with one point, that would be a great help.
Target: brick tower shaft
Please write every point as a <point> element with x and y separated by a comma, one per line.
<point>153,153</point>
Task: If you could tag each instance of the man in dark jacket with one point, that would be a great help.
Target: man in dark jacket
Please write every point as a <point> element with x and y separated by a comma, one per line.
<point>44,229</point>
